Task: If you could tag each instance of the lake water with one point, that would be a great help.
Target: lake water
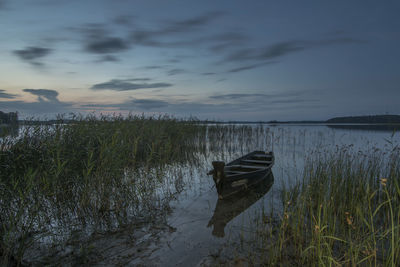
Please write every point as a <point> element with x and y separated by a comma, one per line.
<point>194,240</point>
<point>200,227</point>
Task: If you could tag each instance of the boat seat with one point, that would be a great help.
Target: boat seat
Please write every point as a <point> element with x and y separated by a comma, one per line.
<point>262,155</point>
<point>256,161</point>
<point>247,166</point>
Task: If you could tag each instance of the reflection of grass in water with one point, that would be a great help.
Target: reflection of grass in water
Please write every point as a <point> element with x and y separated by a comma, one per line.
<point>92,174</point>
<point>346,211</point>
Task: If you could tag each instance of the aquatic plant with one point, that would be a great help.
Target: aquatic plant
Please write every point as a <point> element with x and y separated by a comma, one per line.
<point>346,211</point>
<point>87,174</point>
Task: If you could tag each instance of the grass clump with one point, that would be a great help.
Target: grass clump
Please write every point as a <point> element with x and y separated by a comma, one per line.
<point>346,211</point>
<point>88,174</point>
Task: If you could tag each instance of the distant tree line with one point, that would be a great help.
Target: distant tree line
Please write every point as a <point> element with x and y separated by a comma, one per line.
<point>367,119</point>
<point>8,118</point>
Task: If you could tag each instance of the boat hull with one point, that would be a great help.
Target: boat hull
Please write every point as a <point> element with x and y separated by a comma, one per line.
<point>242,173</point>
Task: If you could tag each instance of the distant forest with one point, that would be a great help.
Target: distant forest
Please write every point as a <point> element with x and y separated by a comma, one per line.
<point>388,119</point>
<point>8,118</point>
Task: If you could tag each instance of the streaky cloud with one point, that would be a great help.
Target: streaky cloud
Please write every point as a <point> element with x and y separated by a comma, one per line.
<point>284,48</point>
<point>133,104</point>
<point>175,72</point>
<point>250,67</point>
<point>269,52</point>
<point>3,94</point>
<point>127,85</point>
<point>180,28</point>
<point>236,96</point>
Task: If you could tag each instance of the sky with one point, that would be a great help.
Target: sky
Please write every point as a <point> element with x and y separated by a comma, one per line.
<point>215,60</point>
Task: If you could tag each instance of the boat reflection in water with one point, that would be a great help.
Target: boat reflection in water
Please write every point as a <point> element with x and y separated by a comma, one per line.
<point>228,208</point>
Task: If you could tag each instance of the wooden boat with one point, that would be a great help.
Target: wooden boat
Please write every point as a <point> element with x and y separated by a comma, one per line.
<point>230,207</point>
<point>242,172</point>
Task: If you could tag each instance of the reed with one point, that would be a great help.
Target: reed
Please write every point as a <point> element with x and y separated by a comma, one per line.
<point>346,211</point>
<point>89,174</point>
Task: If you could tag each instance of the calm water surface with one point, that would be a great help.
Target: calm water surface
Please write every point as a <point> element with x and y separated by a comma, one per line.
<point>204,226</point>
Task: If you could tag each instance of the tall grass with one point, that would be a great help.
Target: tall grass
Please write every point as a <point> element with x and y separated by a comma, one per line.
<point>346,211</point>
<point>86,175</point>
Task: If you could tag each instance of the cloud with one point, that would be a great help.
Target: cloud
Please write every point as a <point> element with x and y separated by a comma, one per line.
<point>276,97</point>
<point>236,96</point>
<point>3,94</point>
<point>175,72</point>
<point>208,73</point>
<point>47,103</point>
<point>189,24</point>
<point>250,67</point>
<point>284,48</point>
<point>44,94</point>
<point>126,85</point>
<point>31,54</point>
<point>153,67</point>
<point>97,39</point>
<point>134,104</point>
<point>175,29</point>
<point>105,45</point>
<point>270,52</point>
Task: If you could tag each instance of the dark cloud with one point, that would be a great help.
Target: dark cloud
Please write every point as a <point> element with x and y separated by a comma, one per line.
<point>208,73</point>
<point>3,94</point>
<point>47,103</point>
<point>31,54</point>
<point>171,28</point>
<point>44,94</point>
<point>106,45</point>
<point>97,39</point>
<point>271,52</point>
<point>189,24</point>
<point>126,85</point>
<point>281,49</point>
<point>176,29</point>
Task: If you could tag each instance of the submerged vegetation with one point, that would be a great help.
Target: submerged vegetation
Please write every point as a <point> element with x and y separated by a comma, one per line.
<point>93,175</point>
